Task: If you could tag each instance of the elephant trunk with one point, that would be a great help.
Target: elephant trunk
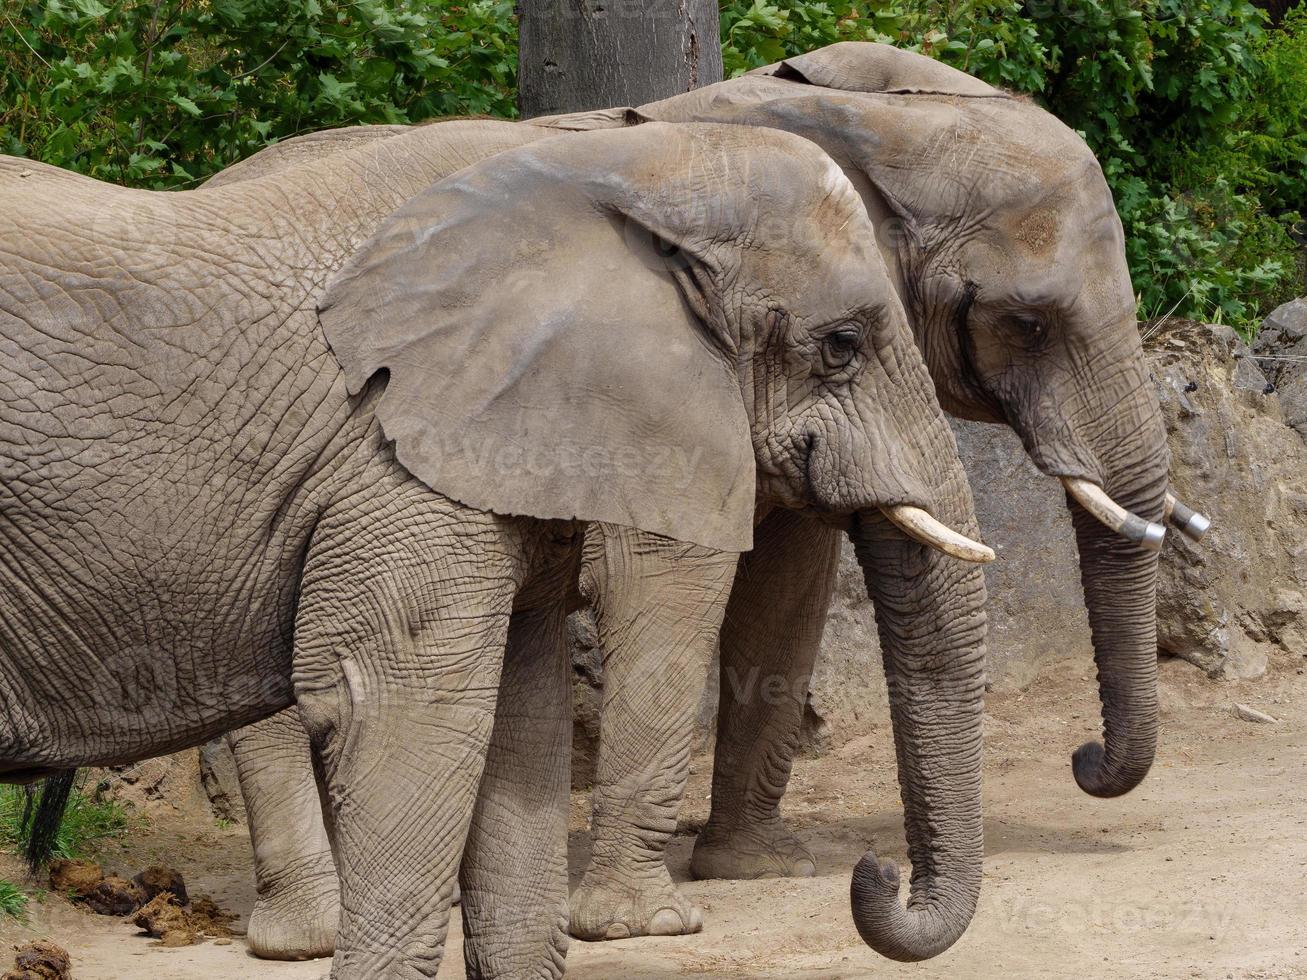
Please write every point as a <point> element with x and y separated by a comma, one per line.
<point>1120,585</point>
<point>931,619</point>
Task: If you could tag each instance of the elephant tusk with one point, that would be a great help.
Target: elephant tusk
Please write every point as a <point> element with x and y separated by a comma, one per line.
<point>920,526</point>
<point>1094,499</point>
<point>1191,524</point>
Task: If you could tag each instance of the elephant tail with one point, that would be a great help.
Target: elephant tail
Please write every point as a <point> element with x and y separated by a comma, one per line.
<point>42,816</point>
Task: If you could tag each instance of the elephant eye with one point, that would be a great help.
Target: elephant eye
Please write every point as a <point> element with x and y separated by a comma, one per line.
<point>1031,325</point>
<point>840,346</point>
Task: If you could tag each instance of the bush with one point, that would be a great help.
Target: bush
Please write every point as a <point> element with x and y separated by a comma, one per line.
<point>13,902</point>
<point>87,822</point>
<point>165,93</point>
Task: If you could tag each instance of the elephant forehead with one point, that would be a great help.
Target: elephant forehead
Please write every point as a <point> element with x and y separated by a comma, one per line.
<point>1038,230</point>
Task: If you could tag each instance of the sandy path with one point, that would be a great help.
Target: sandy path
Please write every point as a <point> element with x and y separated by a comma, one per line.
<point>1200,873</point>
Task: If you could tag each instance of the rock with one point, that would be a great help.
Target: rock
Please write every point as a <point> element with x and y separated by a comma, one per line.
<point>218,777</point>
<point>40,960</point>
<point>1281,353</point>
<point>74,878</point>
<point>156,880</point>
<point>1225,603</point>
<point>1036,607</point>
<point>115,896</point>
<point>1245,713</point>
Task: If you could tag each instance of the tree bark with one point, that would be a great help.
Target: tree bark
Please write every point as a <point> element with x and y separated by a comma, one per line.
<point>593,54</point>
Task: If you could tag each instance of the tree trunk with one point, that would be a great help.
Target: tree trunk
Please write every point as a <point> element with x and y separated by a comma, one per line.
<point>593,54</point>
<point>1276,8</point>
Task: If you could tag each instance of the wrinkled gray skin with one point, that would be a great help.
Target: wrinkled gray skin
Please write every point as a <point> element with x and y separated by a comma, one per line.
<point>1006,249</point>
<point>209,513</point>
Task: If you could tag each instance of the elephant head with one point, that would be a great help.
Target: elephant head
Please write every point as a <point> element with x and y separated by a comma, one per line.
<point>624,302</point>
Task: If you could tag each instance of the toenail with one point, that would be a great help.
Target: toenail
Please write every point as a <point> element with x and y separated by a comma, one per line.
<point>666,922</point>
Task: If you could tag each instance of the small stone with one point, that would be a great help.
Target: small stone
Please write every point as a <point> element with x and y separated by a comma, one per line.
<point>1245,713</point>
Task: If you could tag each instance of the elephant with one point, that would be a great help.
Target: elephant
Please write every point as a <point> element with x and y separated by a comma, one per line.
<point>331,438</point>
<point>1004,245</point>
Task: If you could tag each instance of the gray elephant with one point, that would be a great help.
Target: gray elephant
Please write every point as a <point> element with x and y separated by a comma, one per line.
<point>1006,249</point>
<point>331,437</point>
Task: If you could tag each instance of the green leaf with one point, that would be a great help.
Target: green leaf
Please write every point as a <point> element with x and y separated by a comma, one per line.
<point>186,105</point>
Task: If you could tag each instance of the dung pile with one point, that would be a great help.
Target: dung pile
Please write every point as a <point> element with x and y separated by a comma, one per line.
<point>156,899</point>
<point>40,960</point>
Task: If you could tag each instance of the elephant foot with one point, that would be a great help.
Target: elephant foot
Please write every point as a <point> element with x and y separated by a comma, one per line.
<point>764,851</point>
<point>603,909</point>
<point>297,922</point>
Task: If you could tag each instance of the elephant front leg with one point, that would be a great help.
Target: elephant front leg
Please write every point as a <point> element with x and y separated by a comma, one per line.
<point>298,907</point>
<point>399,643</point>
<point>658,606</point>
<point>514,871</point>
<point>769,644</point>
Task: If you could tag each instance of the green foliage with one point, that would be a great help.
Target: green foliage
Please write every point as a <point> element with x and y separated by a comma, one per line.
<point>87,822</point>
<point>13,902</point>
<point>163,93</point>
<point>987,38</point>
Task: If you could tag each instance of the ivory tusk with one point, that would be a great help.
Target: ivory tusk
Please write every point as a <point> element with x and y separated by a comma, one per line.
<point>1094,499</point>
<point>1191,524</point>
<point>920,526</point>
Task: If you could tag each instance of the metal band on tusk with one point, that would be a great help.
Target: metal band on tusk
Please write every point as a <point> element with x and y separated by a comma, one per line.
<point>1190,523</point>
<point>920,526</point>
<point>1094,499</point>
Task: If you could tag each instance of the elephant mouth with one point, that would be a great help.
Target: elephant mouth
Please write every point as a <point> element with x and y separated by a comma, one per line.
<point>913,520</point>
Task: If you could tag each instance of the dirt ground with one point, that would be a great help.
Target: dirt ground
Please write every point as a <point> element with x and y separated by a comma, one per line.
<point>1200,873</point>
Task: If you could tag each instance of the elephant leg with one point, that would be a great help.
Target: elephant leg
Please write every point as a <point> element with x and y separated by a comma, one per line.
<point>400,637</point>
<point>769,644</point>
<point>298,907</point>
<point>514,871</point>
<point>659,606</point>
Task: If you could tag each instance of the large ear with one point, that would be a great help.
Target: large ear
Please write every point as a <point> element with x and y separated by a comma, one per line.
<point>863,66</point>
<point>546,326</point>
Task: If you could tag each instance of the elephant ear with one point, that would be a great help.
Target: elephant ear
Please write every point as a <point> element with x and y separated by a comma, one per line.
<point>546,328</point>
<point>863,66</point>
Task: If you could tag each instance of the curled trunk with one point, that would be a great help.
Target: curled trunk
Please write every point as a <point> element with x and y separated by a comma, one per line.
<point>931,619</point>
<point>1120,584</point>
